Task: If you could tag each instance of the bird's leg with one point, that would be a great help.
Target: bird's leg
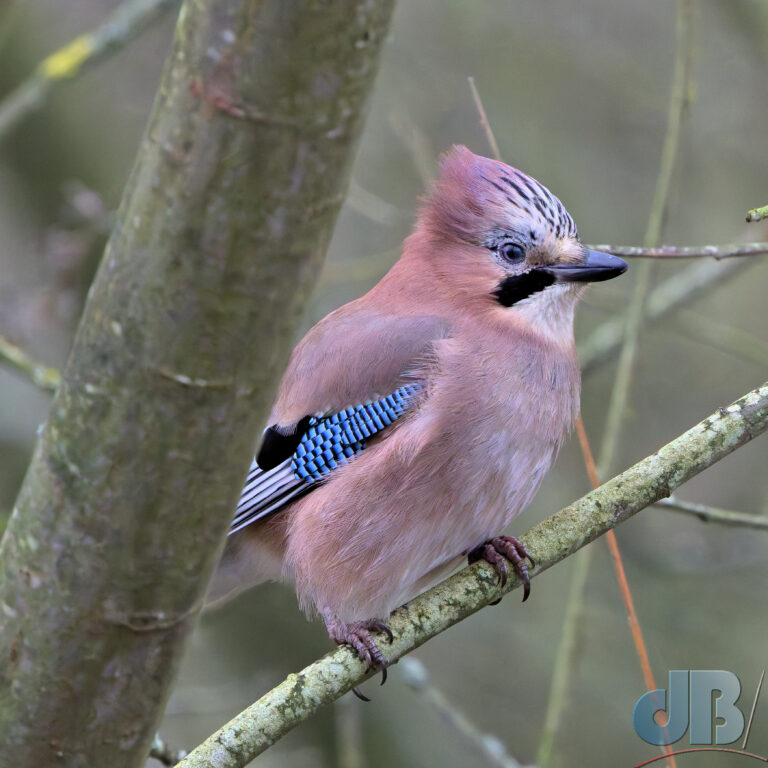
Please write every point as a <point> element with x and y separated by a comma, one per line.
<point>500,549</point>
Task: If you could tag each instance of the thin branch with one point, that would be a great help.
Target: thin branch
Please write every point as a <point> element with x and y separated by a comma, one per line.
<point>350,746</point>
<point>41,375</point>
<point>125,23</point>
<point>714,515</point>
<point>566,651</point>
<point>719,252</point>
<point>161,752</point>
<point>757,214</point>
<point>676,291</point>
<point>551,541</point>
<point>489,748</point>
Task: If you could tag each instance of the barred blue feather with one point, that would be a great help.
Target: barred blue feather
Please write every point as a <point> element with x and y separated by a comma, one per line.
<point>329,442</point>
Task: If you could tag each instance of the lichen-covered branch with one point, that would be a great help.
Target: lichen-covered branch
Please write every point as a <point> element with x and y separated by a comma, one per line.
<point>121,26</point>
<point>757,214</point>
<point>39,374</point>
<point>218,240</point>
<point>552,540</point>
<point>719,252</point>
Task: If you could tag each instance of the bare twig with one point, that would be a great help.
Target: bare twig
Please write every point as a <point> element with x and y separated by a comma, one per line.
<point>676,291</point>
<point>41,375</point>
<point>486,746</point>
<point>714,515</point>
<point>120,27</point>
<point>161,752</point>
<point>301,695</point>
<point>758,214</point>
<point>719,252</point>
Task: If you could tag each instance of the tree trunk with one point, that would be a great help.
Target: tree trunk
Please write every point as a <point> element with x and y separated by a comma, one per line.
<point>222,229</point>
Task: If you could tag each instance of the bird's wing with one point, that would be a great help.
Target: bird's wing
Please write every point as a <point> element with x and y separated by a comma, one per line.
<point>352,376</point>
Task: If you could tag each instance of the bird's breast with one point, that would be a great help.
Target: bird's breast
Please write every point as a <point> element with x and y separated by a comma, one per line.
<point>502,414</point>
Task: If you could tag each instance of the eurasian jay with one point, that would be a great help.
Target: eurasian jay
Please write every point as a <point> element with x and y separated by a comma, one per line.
<point>414,423</point>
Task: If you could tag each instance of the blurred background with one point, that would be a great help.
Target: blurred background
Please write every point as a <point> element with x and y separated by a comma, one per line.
<point>577,93</point>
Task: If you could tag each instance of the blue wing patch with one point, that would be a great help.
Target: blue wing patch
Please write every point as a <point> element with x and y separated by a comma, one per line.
<point>331,440</point>
<point>328,442</point>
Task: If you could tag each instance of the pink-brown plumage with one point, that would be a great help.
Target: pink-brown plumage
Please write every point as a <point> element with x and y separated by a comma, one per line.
<point>500,390</point>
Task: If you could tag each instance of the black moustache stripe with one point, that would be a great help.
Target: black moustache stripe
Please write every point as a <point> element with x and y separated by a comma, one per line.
<point>518,287</point>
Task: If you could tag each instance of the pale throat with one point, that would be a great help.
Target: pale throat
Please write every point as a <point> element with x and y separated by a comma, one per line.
<point>551,311</point>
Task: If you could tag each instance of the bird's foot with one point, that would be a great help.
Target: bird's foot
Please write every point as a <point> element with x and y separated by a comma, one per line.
<point>359,635</point>
<point>500,549</point>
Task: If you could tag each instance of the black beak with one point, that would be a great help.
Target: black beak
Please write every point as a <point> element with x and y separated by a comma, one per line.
<point>595,268</point>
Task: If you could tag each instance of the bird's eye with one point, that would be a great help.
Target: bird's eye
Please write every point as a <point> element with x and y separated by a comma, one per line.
<point>512,253</point>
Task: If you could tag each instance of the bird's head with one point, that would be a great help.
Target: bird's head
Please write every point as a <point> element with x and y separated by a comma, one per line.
<point>502,239</point>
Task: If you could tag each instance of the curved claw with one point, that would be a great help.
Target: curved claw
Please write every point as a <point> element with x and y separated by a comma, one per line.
<point>501,549</point>
<point>360,695</point>
<point>380,626</point>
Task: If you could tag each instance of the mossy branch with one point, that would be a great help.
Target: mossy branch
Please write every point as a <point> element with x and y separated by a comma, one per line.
<point>39,374</point>
<point>121,26</point>
<point>552,540</point>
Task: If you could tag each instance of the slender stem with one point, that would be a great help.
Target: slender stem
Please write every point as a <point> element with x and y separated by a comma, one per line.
<point>678,103</point>
<point>758,214</point>
<point>551,541</point>
<point>41,375</point>
<point>350,748</point>
<point>484,119</point>
<point>121,26</point>
<point>719,252</point>
<point>714,515</point>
